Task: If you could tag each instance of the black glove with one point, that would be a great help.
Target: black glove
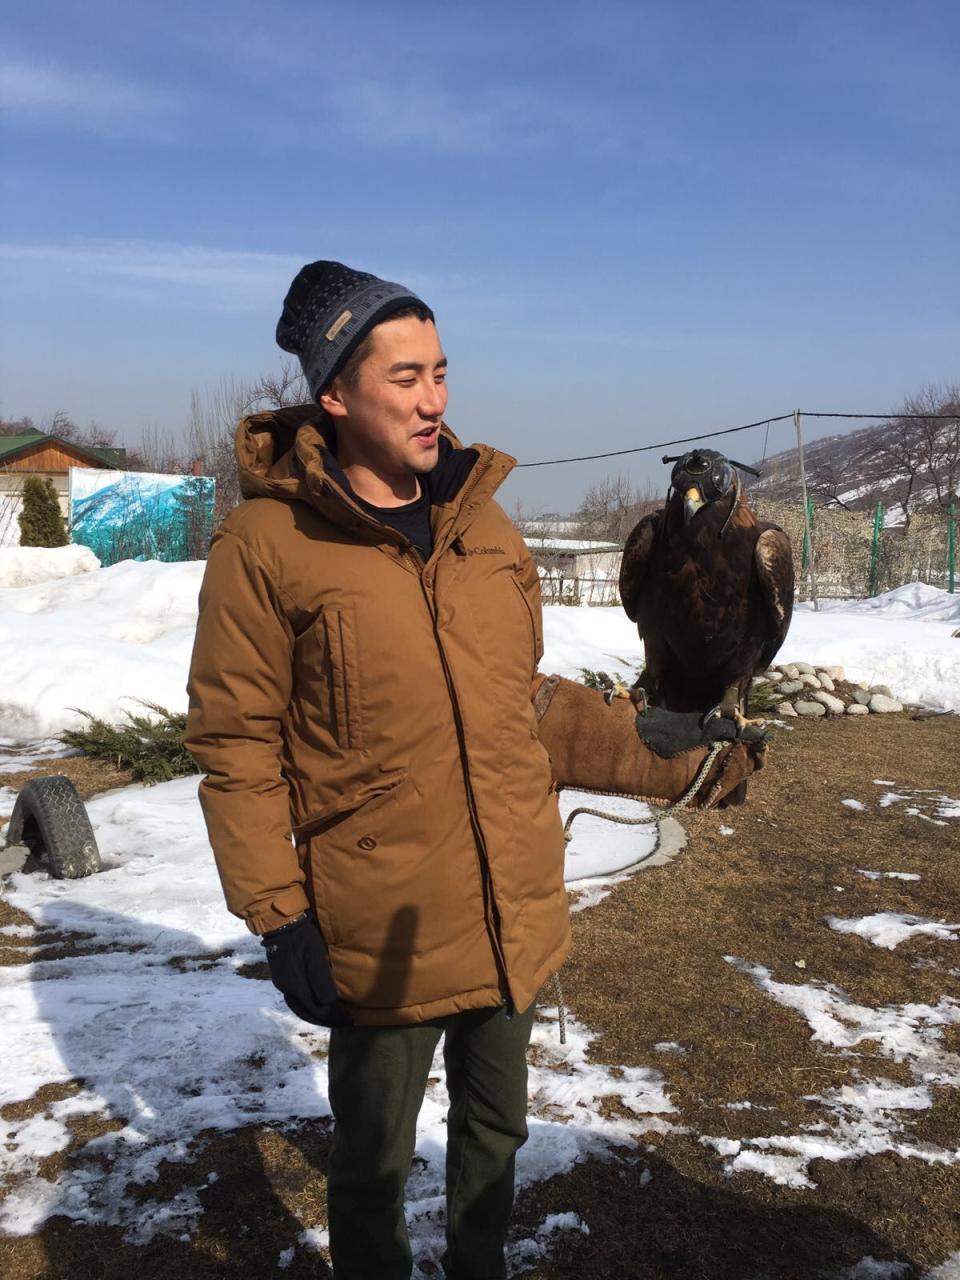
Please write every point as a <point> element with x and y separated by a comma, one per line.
<point>301,973</point>
<point>669,733</point>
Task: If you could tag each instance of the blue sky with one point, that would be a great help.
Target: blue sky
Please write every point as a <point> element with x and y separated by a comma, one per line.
<point>634,220</point>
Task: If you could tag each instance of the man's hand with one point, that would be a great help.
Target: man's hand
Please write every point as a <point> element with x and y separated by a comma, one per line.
<point>300,971</point>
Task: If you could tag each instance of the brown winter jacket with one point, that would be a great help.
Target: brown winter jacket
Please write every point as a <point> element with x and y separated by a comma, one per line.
<point>380,710</point>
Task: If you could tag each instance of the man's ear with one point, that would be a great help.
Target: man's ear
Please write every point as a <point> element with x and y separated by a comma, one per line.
<point>332,400</point>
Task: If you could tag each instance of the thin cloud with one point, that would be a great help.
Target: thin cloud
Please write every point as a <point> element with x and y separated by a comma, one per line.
<point>197,270</point>
<point>50,94</point>
<point>493,119</point>
<point>158,262</point>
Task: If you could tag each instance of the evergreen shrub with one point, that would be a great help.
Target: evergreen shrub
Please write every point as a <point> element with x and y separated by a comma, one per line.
<point>150,745</point>
<point>41,520</point>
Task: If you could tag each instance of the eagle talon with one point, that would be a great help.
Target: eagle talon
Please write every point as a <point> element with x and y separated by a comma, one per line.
<point>744,722</point>
<point>618,690</point>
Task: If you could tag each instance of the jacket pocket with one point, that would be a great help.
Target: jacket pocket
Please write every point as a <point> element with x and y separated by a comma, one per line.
<point>341,637</point>
<point>350,803</point>
<point>536,626</point>
<point>349,849</point>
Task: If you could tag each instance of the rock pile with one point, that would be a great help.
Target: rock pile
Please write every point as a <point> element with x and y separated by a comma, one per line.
<point>822,691</point>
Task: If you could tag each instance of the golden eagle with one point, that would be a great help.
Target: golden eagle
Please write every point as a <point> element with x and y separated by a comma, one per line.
<point>710,588</point>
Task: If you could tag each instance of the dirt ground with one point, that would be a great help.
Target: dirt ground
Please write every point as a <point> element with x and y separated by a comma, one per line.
<point>648,966</point>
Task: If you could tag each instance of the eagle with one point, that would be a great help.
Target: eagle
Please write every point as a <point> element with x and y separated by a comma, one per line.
<point>710,588</point>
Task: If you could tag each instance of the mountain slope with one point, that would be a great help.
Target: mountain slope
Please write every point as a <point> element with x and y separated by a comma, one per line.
<point>910,465</point>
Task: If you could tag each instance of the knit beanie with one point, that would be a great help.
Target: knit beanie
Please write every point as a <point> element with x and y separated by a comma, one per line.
<point>329,309</point>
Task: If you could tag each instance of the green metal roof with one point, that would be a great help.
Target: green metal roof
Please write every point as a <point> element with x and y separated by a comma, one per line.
<point>11,445</point>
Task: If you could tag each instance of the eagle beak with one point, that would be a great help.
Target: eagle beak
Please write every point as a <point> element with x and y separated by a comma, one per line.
<point>692,502</point>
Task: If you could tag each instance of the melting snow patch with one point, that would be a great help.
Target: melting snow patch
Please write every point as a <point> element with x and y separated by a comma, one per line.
<point>853,804</point>
<point>874,1269</point>
<point>887,875</point>
<point>888,929</point>
<point>922,802</point>
<point>314,1239</point>
<point>949,1270</point>
<point>533,1250</point>
<point>867,1117</point>
<point>171,1042</point>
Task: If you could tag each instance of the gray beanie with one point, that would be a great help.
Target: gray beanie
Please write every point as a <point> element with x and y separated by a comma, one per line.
<point>329,309</point>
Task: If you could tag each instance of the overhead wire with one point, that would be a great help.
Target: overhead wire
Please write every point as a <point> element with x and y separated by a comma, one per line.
<point>645,448</point>
<point>747,426</point>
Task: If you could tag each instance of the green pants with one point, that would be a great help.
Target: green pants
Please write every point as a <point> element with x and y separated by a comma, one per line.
<point>378,1076</point>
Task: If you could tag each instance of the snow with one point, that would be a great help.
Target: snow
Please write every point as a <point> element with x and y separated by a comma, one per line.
<point>915,600</point>
<point>901,639</point>
<point>888,875</point>
<point>99,639</point>
<point>150,1013</point>
<point>25,566</point>
<point>920,802</point>
<point>888,929</point>
<point>865,1118</point>
<point>568,544</point>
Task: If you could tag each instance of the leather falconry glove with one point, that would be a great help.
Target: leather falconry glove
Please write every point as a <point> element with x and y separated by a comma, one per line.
<point>670,732</point>
<point>300,971</point>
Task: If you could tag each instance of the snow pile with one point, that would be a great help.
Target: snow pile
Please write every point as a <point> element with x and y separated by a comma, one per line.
<point>916,600</point>
<point>888,929</point>
<point>25,566</point>
<point>101,638</point>
<point>902,640</point>
<point>98,641</point>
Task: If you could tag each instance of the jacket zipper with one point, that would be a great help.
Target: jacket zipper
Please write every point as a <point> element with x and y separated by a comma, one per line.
<point>407,548</point>
<point>485,872</point>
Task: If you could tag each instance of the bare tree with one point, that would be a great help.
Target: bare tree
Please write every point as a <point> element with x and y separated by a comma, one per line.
<point>159,450</point>
<point>896,467</point>
<point>828,486</point>
<point>917,458</point>
<point>610,509</point>
<point>279,390</point>
<point>214,415</point>
<point>16,426</point>
<point>938,441</point>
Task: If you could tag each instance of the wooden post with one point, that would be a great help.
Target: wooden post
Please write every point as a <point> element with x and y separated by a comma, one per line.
<point>811,570</point>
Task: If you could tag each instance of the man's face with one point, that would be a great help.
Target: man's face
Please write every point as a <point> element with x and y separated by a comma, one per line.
<point>390,420</point>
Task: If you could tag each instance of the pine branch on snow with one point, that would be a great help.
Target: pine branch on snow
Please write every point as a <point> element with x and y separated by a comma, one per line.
<point>150,745</point>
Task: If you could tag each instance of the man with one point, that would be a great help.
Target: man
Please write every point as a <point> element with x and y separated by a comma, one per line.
<point>377,799</point>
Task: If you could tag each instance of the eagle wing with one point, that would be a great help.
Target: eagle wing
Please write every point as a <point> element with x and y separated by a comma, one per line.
<point>636,562</point>
<point>773,559</point>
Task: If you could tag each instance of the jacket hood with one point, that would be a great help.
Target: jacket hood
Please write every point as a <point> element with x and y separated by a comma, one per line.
<point>291,454</point>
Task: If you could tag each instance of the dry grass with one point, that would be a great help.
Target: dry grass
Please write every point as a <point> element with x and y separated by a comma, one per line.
<point>648,966</point>
<point>89,776</point>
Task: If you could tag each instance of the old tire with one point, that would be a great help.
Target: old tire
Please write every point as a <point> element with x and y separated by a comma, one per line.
<point>50,818</point>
